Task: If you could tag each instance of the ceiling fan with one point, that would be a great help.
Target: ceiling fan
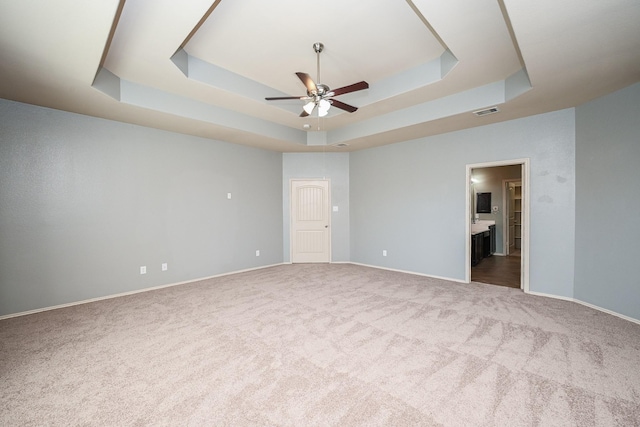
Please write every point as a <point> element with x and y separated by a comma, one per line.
<point>320,95</point>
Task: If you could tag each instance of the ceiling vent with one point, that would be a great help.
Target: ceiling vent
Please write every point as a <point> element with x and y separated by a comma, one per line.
<point>486,111</point>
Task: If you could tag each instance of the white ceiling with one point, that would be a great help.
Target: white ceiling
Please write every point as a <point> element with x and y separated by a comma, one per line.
<point>203,68</point>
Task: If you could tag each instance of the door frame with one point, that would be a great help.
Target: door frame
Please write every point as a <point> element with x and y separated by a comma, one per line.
<point>291,181</point>
<point>526,193</point>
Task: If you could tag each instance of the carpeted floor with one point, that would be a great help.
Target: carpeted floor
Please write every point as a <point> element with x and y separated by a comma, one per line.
<point>321,345</point>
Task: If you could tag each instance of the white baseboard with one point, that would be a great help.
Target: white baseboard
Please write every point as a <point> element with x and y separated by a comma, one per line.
<point>613,313</point>
<point>138,291</point>
<point>595,307</point>
<point>409,272</point>
<point>542,294</point>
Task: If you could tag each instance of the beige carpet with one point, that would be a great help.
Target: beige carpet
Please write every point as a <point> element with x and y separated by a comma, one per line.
<point>321,345</point>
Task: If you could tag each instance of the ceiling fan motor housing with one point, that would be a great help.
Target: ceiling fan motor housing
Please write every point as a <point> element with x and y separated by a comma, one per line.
<point>321,90</point>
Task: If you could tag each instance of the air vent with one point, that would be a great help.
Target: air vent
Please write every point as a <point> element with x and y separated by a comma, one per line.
<point>486,111</point>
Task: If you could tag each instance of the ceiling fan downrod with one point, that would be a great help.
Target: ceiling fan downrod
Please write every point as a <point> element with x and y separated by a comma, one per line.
<point>318,47</point>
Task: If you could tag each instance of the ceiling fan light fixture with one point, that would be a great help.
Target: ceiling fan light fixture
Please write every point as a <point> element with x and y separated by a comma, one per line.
<point>323,107</point>
<point>308,107</point>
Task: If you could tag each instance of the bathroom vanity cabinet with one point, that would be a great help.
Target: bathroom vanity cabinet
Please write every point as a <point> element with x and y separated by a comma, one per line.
<point>483,244</point>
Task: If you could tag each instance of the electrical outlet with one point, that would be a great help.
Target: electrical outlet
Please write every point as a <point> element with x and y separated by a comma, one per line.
<point>165,267</point>
<point>384,252</point>
<point>257,253</point>
<point>143,269</point>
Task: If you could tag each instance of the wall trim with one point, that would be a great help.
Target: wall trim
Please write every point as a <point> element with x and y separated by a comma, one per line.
<point>410,272</point>
<point>137,291</point>
<point>586,304</point>
<point>604,310</point>
<point>540,294</point>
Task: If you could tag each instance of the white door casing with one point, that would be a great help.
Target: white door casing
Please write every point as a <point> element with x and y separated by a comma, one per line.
<point>310,221</point>
<point>525,178</point>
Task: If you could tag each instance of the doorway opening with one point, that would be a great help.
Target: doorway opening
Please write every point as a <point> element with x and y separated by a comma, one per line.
<point>497,218</point>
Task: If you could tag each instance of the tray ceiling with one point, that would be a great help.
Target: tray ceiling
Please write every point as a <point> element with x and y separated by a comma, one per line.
<point>203,68</point>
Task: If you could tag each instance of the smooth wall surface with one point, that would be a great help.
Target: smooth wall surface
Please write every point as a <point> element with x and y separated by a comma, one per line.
<point>335,168</point>
<point>84,202</point>
<point>409,198</point>
<point>608,202</point>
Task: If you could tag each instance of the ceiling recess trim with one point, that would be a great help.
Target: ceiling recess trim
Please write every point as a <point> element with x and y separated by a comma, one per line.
<point>417,77</point>
<point>155,99</point>
<point>406,81</point>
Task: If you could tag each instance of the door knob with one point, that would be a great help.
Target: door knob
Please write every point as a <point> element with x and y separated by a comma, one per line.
<point>326,226</point>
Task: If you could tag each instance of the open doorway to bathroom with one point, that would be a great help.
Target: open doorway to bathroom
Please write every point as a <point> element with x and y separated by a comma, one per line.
<point>497,214</point>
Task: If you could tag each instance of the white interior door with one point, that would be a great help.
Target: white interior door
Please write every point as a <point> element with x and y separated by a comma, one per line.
<point>310,214</point>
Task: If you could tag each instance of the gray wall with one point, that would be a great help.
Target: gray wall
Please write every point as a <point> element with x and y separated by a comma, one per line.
<point>608,202</point>
<point>409,198</point>
<point>332,166</point>
<point>490,181</point>
<point>84,202</point>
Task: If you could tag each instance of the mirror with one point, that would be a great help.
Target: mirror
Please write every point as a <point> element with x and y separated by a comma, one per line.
<point>483,204</point>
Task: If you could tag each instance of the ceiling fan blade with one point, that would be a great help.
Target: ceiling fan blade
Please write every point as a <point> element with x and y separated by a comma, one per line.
<point>343,106</point>
<point>351,88</point>
<point>307,81</point>
<point>277,98</point>
<point>303,114</point>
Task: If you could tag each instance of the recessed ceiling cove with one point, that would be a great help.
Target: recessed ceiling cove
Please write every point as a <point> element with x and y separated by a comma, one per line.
<point>272,40</point>
<point>205,67</point>
<point>234,49</point>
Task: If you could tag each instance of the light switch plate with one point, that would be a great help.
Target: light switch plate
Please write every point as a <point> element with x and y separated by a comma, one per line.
<point>335,209</point>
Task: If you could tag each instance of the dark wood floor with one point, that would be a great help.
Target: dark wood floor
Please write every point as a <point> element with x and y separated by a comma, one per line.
<point>498,270</point>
